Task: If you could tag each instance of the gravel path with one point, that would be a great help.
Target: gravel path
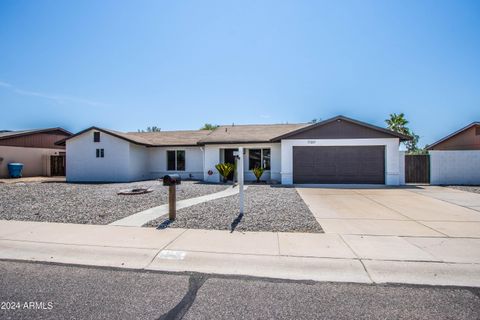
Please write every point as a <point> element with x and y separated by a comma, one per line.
<point>474,189</point>
<point>88,203</point>
<point>267,208</point>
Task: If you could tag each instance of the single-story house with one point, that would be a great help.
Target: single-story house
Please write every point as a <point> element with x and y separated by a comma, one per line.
<point>36,149</point>
<point>339,150</point>
<point>455,159</point>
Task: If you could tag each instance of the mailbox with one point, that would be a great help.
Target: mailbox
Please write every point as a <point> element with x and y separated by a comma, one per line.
<point>172,179</point>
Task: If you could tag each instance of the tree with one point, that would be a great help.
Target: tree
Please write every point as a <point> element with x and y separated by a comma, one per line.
<point>398,123</point>
<point>209,126</point>
<point>151,129</point>
<point>411,145</point>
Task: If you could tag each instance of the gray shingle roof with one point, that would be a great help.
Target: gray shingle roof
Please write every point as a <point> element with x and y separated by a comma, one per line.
<point>249,133</point>
<point>14,133</point>
<point>223,134</point>
<point>170,138</point>
<point>9,134</point>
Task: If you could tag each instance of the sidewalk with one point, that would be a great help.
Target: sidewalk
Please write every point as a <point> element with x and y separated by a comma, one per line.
<point>299,256</point>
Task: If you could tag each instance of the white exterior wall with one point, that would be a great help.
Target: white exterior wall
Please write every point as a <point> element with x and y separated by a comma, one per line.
<point>36,161</point>
<point>212,158</point>
<point>392,163</point>
<point>276,162</point>
<point>455,167</point>
<point>157,158</point>
<point>83,166</point>
<point>138,162</point>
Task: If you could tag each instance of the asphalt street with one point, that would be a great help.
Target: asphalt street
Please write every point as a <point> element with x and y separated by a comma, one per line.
<point>47,291</point>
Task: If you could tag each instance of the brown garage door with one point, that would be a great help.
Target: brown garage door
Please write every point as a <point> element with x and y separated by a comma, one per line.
<point>358,164</point>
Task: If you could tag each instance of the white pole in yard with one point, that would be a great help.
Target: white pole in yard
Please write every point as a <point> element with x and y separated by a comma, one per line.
<point>240,176</point>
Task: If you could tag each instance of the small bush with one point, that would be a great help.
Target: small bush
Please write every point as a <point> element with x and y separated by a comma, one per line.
<point>225,169</point>
<point>258,171</point>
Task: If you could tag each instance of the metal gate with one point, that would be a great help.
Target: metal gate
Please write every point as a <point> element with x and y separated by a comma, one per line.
<point>417,168</point>
<point>57,165</point>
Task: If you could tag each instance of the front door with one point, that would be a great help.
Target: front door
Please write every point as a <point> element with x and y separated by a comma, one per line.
<point>229,158</point>
<point>57,165</point>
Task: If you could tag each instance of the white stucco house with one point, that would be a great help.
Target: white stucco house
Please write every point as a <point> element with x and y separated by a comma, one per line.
<point>339,150</point>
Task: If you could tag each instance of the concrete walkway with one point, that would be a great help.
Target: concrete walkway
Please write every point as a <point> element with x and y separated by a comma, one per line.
<point>141,218</point>
<point>33,180</point>
<point>321,257</point>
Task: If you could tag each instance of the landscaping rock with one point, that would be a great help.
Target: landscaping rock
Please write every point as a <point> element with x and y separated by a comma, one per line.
<point>88,203</point>
<point>474,189</point>
<point>267,208</point>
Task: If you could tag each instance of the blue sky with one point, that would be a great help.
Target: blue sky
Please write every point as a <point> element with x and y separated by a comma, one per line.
<point>179,64</point>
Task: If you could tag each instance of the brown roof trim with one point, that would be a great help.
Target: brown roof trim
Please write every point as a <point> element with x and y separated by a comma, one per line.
<point>476,123</point>
<point>235,142</point>
<point>30,132</point>
<point>104,131</point>
<point>172,145</point>
<point>321,123</point>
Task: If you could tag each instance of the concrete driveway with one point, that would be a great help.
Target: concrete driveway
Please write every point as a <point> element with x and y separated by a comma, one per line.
<point>423,211</point>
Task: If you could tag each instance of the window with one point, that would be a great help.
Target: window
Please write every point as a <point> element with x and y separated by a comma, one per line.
<point>477,131</point>
<point>254,158</point>
<point>171,160</point>
<point>180,160</point>
<point>100,153</point>
<point>96,136</point>
<point>259,158</point>
<point>176,160</point>
<point>266,159</point>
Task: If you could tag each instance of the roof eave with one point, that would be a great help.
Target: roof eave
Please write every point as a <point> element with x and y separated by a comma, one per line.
<point>431,146</point>
<point>402,137</point>
<point>106,132</point>
<point>21,134</point>
<point>233,142</point>
<point>172,145</point>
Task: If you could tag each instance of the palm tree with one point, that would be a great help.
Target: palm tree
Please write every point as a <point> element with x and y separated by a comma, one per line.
<point>398,123</point>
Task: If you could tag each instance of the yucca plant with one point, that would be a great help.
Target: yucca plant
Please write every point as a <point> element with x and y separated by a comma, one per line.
<point>258,171</point>
<point>225,169</point>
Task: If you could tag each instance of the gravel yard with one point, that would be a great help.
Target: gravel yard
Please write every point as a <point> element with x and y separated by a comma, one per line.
<point>474,189</point>
<point>88,203</point>
<point>267,208</point>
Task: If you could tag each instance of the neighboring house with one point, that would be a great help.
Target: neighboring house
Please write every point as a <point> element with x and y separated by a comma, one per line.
<point>455,159</point>
<point>36,149</point>
<point>338,150</point>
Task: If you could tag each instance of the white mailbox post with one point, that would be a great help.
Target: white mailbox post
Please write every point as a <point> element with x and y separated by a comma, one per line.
<point>239,156</point>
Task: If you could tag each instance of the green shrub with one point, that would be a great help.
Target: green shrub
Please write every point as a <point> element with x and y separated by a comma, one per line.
<point>258,171</point>
<point>225,169</point>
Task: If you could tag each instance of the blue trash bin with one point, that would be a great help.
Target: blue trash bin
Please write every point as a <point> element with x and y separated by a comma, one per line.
<point>15,170</point>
